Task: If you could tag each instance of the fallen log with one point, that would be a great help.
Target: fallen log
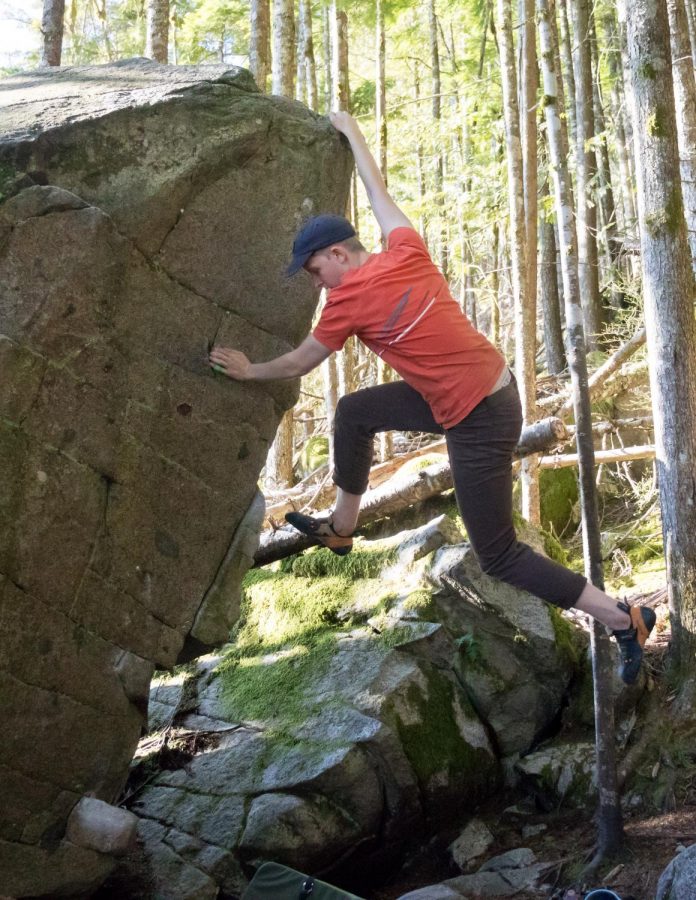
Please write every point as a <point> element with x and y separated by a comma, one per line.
<point>602,457</point>
<point>403,491</point>
<point>562,403</point>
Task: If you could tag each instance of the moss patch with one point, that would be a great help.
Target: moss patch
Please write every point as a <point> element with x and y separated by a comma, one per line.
<point>559,494</point>
<point>322,563</point>
<point>434,744</point>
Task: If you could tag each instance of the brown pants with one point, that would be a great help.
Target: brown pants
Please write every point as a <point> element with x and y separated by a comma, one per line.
<point>480,449</point>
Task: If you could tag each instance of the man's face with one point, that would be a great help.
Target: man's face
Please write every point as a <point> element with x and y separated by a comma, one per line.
<point>327,267</point>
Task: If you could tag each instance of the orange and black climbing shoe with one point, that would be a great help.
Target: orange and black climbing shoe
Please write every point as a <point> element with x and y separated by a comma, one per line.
<point>631,640</point>
<point>322,531</point>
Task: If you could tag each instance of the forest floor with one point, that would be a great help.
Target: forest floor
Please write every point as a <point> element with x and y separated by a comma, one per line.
<point>654,833</point>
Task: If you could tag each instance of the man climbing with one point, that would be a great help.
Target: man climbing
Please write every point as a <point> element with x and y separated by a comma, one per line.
<point>454,383</point>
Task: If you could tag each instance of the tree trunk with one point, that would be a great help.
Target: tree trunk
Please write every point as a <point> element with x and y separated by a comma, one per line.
<point>565,61</point>
<point>526,348</point>
<point>685,109</point>
<point>326,53</point>
<point>610,828</point>
<point>420,168</point>
<point>339,58</point>
<point>283,48</point>
<point>495,287</point>
<point>668,287</point>
<point>586,168</point>
<point>438,179</point>
<point>524,341</point>
<point>279,462</point>
<point>550,300</point>
<point>691,21</point>
<point>381,92</point>
<point>260,42</point>
<point>306,79</point>
<point>157,31</point>
<point>52,31</point>
<point>605,193</point>
<point>330,372</point>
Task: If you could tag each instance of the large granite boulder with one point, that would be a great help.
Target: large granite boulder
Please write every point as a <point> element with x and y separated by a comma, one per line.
<point>340,720</point>
<point>678,881</point>
<point>145,211</point>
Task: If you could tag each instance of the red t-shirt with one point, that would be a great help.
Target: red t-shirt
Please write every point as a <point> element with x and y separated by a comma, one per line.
<point>399,305</point>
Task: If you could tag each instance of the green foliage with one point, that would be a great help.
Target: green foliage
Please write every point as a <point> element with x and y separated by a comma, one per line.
<point>314,453</point>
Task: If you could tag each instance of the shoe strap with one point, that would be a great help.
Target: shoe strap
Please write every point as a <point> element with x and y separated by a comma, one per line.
<point>330,524</point>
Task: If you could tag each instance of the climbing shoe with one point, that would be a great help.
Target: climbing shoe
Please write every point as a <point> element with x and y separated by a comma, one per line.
<point>631,640</point>
<point>322,531</point>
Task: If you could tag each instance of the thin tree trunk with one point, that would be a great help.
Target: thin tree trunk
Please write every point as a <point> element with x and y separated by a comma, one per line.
<point>157,33</point>
<point>668,288</point>
<point>283,48</point>
<point>586,168</point>
<point>381,91</point>
<point>605,194</point>
<point>326,53</point>
<point>300,70</point>
<point>610,828</point>
<point>260,42</point>
<point>685,109</point>
<point>524,353</point>
<point>339,58</point>
<point>691,21</point>
<point>613,56</point>
<point>550,300</point>
<point>420,169</point>
<point>565,51</point>
<point>52,31</point>
<point>495,287</point>
<point>528,86</point>
<point>438,180</point>
<point>329,371</point>
<point>279,462</point>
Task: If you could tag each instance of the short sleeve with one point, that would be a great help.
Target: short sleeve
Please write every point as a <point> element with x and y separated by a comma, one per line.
<point>334,326</point>
<point>408,240</point>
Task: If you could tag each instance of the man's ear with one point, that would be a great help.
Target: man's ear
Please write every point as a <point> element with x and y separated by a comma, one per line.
<point>339,254</point>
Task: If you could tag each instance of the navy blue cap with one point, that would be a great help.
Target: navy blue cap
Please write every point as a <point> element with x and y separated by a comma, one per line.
<point>316,234</point>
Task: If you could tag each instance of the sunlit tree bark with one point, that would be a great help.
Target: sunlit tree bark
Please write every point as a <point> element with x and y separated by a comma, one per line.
<point>340,81</point>
<point>52,31</point>
<point>668,290</point>
<point>438,175</point>
<point>260,42</point>
<point>525,344</point>
<point>685,109</point>
<point>586,169</point>
<point>157,31</point>
<point>610,826</point>
<point>283,69</point>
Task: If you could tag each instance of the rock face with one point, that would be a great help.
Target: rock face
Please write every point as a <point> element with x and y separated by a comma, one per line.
<point>145,211</point>
<point>341,718</point>
<point>678,881</point>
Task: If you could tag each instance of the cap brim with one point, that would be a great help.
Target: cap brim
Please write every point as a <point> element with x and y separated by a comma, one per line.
<point>296,264</point>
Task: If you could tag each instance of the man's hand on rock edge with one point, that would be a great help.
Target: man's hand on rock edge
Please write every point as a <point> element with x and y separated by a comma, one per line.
<point>232,363</point>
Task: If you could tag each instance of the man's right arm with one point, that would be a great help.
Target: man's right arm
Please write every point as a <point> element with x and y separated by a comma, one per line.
<point>299,361</point>
<point>386,211</point>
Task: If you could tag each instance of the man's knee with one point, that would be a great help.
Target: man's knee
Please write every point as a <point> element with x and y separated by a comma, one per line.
<point>351,410</point>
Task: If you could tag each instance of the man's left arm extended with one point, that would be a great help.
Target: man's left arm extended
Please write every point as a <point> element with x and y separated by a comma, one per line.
<point>297,362</point>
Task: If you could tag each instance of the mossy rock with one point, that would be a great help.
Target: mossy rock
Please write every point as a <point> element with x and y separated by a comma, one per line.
<point>559,495</point>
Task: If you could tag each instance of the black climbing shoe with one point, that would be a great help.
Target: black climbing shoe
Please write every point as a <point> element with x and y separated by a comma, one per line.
<point>322,531</point>
<point>631,640</point>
